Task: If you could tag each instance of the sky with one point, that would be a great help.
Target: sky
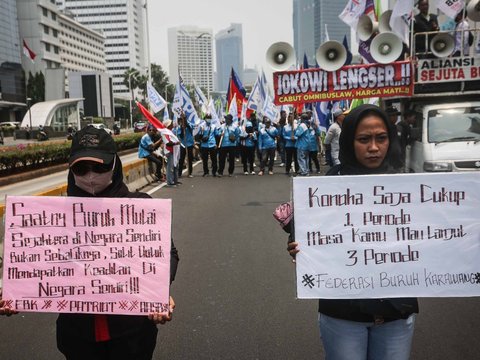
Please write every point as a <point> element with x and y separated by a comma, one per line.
<point>264,23</point>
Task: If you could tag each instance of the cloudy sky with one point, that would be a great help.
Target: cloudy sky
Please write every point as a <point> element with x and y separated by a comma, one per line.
<point>264,22</point>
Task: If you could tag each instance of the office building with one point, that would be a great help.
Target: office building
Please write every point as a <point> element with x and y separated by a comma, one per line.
<point>229,53</point>
<point>311,20</point>
<point>190,51</point>
<point>123,24</point>
<point>12,86</point>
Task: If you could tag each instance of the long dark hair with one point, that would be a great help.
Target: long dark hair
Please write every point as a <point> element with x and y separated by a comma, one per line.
<point>348,160</point>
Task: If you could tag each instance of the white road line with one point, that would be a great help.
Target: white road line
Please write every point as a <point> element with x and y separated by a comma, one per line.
<point>155,189</point>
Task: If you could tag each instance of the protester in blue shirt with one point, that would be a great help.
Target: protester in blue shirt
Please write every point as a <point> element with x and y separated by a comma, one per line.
<point>313,147</point>
<point>148,144</point>
<point>280,141</point>
<point>208,145</point>
<point>303,138</point>
<point>288,134</point>
<point>267,143</point>
<point>184,133</point>
<point>228,144</point>
<point>248,139</point>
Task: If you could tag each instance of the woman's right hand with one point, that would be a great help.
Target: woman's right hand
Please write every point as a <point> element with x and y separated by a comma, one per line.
<point>292,249</point>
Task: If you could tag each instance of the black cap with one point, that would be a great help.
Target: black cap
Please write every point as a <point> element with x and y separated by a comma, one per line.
<point>92,144</point>
<point>392,110</point>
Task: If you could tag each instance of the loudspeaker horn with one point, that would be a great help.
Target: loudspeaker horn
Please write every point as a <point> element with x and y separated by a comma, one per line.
<point>281,56</point>
<point>473,10</point>
<point>386,47</point>
<point>331,55</point>
<point>442,45</point>
<point>366,27</point>
<point>384,23</point>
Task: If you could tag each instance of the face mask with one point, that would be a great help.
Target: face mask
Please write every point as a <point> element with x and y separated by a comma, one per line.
<point>94,183</point>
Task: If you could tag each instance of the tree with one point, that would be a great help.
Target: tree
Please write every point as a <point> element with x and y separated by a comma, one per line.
<point>36,87</point>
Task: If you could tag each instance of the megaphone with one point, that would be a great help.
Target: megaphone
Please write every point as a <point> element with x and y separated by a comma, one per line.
<point>384,23</point>
<point>386,47</point>
<point>442,45</point>
<point>366,27</point>
<point>473,10</point>
<point>331,55</point>
<point>280,56</point>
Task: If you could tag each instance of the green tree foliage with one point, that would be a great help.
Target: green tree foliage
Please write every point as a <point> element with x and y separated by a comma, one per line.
<point>36,87</point>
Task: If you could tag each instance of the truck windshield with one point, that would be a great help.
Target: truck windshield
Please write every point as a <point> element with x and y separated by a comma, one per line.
<point>455,124</point>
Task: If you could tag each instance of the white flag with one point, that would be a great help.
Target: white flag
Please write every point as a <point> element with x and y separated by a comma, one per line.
<point>451,7</point>
<point>166,115</point>
<point>211,110</point>
<point>255,100</point>
<point>157,102</point>
<point>400,19</point>
<point>270,110</point>
<point>233,109</point>
<point>200,96</point>
<point>352,12</point>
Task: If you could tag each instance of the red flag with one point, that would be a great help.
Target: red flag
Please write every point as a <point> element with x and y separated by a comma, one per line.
<point>28,52</point>
<point>235,87</point>
<point>167,133</point>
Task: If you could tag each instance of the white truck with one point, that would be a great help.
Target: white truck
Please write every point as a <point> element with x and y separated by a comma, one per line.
<point>446,136</point>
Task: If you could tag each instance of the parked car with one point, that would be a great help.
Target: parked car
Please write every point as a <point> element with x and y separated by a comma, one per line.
<point>14,124</point>
<point>102,126</point>
<point>140,126</point>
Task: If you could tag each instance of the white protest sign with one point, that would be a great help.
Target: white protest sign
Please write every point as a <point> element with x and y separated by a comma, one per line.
<point>87,255</point>
<point>388,236</point>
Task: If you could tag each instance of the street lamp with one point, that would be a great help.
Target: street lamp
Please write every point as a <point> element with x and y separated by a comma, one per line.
<point>131,97</point>
<point>29,101</point>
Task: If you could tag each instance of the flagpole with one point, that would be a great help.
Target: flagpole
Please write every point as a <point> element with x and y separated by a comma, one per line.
<point>148,43</point>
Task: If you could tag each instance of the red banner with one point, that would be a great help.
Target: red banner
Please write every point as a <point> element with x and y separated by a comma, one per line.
<point>349,82</point>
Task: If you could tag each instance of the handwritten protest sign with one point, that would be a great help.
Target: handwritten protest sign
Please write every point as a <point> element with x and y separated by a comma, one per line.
<point>87,255</point>
<point>388,236</point>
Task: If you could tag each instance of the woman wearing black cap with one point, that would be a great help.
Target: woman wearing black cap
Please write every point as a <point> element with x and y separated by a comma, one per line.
<point>366,328</point>
<point>96,171</point>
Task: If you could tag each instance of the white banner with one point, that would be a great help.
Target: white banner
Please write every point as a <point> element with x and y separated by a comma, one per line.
<point>448,69</point>
<point>410,235</point>
<point>157,102</point>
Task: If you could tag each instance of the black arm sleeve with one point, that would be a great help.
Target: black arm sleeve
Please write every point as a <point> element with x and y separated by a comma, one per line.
<point>174,259</point>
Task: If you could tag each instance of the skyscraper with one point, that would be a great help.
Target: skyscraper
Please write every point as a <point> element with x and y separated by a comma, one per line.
<point>190,52</point>
<point>311,18</point>
<point>122,23</point>
<point>229,53</point>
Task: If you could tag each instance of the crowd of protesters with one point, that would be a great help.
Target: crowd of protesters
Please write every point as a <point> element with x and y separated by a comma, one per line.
<point>295,140</point>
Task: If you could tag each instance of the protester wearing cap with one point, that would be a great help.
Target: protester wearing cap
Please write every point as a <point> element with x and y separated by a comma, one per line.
<point>96,171</point>
<point>229,135</point>
<point>288,134</point>
<point>393,114</point>
<point>184,132</point>
<point>302,133</point>
<point>267,144</point>
<point>172,155</point>
<point>208,145</point>
<point>248,139</point>
<point>148,144</point>
<point>332,147</point>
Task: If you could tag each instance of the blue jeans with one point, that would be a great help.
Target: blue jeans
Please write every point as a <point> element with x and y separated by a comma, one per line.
<point>302,156</point>
<point>351,340</point>
<point>172,172</point>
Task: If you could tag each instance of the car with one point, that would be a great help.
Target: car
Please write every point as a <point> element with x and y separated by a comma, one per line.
<point>6,124</point>
<point>140,126</point>
<point>102,126</point>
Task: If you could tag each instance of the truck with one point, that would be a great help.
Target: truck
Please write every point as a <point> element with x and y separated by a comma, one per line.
<point>446,99</point>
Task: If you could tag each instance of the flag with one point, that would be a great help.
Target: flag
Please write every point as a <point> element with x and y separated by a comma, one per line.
<point>167,133</point>
<point>305,61</point>
<point>166,115</point>
<point>450,8</point>
<point>182,103</point>
<point>233,109</point>
<point>270,110</point>
<point>320,115</point>
<point>349,53</point>
<point>400,19</point>
<point>235,87</point>
<point>364,50</point>
<point>28,52</point>
<point>255,100</point>
<point>157,102</point>
<point>211,110</point>
<point>326,37</point>
<point>352,12</point>
<point>243,113</point>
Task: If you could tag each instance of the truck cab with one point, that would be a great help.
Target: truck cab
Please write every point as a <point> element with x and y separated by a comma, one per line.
<point>445,138</point>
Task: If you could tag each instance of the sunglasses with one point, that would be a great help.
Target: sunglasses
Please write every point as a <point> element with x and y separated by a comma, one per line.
<point>83,167</point>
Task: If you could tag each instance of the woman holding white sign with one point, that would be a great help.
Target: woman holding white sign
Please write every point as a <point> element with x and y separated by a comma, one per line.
<point>366,328</point>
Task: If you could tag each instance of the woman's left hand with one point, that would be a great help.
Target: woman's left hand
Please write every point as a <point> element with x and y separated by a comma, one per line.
<point>160,318</point>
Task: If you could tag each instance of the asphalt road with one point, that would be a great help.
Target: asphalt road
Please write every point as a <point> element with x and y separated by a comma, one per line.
<point>235,290</point>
